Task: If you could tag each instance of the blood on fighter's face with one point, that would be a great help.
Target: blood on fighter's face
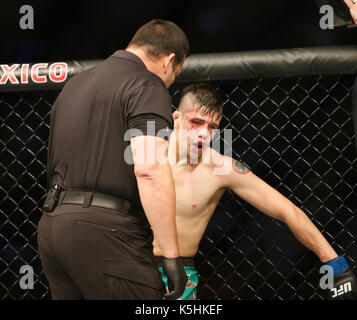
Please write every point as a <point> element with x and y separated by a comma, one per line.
<point>201,127</point>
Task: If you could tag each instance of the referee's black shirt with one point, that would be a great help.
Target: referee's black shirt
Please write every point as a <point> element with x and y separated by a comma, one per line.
<point>90,118</point>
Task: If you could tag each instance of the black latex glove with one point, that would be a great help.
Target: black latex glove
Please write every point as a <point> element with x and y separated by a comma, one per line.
<point>176,278</point>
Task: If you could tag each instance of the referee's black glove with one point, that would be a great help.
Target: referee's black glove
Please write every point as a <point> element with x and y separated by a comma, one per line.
<point>344,281</point>
<point>176,278</point>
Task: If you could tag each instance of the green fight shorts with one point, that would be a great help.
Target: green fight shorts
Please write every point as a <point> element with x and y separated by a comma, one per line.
<point>190,292</point>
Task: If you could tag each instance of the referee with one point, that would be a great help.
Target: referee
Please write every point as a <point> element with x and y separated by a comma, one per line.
<point>92,238</point>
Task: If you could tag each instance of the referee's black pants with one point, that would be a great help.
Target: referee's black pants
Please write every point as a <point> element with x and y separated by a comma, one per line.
<point>97,253</point>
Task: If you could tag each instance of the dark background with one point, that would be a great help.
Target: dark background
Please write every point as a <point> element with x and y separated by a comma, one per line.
<point>89,29</point>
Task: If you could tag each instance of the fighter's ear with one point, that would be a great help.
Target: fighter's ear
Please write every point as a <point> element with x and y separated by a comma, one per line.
<point>176,115</point>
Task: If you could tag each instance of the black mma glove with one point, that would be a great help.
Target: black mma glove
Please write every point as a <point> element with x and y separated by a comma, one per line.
<point>344,281</point>
<point>176,278</point>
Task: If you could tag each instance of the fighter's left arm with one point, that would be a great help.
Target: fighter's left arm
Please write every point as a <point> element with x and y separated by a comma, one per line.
<point>261,195</point>
<point>254,190</point>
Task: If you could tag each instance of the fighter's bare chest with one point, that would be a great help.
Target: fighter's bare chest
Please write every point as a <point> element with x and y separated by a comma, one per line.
<point>194,189</point>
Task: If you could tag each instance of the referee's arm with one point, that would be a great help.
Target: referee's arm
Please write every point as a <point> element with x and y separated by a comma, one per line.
<point>157,190</point>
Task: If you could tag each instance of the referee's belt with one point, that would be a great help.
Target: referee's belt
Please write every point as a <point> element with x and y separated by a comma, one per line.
<point>94,199</point>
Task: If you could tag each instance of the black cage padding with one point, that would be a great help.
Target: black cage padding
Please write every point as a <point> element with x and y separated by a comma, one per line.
<point>331,60</point>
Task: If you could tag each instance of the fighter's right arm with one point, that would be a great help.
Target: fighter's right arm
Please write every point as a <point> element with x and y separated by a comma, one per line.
<point>157,191</point>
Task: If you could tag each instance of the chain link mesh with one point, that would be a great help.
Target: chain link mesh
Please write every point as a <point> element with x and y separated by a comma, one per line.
<point>294,133</point>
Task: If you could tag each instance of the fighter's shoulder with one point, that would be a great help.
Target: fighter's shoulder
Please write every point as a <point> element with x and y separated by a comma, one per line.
<point>218,159</point>
<point>230,164</point>
<point>239,166</point>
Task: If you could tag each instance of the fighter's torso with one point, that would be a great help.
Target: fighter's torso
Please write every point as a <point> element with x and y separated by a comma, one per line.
<point>198,192</point>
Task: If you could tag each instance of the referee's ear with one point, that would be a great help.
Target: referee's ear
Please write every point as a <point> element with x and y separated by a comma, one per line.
<point>168,62</point>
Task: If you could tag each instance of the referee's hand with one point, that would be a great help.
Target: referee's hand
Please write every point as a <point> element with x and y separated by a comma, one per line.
<point>176,278</point>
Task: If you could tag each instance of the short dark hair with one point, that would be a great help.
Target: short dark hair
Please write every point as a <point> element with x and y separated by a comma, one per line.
<point>202,96</point>
<point>162,37</point>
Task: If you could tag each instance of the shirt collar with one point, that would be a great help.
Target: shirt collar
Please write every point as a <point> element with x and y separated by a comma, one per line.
<point>123,54</point>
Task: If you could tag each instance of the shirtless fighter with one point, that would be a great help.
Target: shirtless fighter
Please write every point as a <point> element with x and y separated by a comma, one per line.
<point>199,188</point>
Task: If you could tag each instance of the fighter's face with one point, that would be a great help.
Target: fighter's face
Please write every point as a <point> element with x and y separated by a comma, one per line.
<point>199,129</point>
